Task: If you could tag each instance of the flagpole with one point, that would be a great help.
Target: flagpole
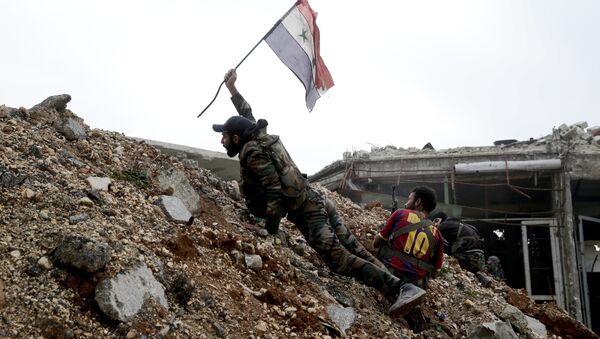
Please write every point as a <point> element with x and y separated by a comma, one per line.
<point>252,50</point>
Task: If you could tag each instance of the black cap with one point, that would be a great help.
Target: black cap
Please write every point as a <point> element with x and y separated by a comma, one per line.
<point>235,125</point>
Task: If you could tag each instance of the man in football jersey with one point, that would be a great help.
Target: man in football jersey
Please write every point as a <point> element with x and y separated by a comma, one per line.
<point>409,244</point>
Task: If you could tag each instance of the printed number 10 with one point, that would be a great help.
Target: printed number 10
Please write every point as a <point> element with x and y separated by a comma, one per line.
<point>417,244</point>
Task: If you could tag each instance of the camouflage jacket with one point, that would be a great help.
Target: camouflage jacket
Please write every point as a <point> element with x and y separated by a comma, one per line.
<point>460,237</point>
<point>242,107</point>
<point>271,183</point>
<point>495,270</point>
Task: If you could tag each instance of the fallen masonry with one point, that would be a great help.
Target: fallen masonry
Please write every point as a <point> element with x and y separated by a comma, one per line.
<point>82,257</point>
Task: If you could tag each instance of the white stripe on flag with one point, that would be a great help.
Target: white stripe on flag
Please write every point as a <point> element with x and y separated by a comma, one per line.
<point>294,43</point>
<point>296,24</point>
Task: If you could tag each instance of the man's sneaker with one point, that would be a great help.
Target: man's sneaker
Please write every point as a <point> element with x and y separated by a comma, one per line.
<point>408,297</point>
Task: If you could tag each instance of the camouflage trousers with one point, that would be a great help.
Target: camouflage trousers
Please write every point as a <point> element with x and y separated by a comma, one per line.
<point>471,261</point>
<point>348,239</point>
<point>326,233</point>
<point>495,270</point>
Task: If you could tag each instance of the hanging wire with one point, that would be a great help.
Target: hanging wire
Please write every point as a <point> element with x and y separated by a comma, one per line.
<point>550,212</point>
<point>516,188</point>
<point>508,182</point>
<point>493,222</point>
<point>502,184</point>
<point>473,184</point>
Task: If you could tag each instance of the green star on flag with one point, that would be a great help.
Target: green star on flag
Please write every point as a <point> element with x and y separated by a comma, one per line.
<point>303,35</point>
<point>295,40</point>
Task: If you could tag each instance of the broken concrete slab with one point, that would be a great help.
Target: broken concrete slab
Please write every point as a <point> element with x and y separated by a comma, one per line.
<point>174,208</point>
<point>56,102</point>
<point>493,330</point>
<point>177,180</point>
<point>570,133</point>
<point>218,163</point>
<point>122,297</point>
<point>581,124</point>
<point>516,318</point>
<point>595,130</point>
<point>71,129</point>
<point>253,261</point>
<point>343,317</point>
<point>536,327</point>
<point>99,183</point>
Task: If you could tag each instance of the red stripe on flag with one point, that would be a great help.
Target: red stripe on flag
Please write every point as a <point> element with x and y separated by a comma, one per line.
<point>323,79</point>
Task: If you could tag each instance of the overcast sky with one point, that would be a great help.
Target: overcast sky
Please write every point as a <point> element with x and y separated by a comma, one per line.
<point>453,73</point>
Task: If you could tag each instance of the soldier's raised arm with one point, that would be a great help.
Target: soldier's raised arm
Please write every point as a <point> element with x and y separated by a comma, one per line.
<point>241,105</point>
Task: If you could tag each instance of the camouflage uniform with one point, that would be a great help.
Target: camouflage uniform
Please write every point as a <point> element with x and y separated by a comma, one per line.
<point>323,229</point>
<point>242,106</point>
<point>312,220</point>
<point>471,261</point>
<point>347,238</point>
<point>463,242</point>
<point>494,268</point>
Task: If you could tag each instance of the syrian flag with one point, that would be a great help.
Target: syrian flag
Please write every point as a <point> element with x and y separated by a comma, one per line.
<point>295,40</point>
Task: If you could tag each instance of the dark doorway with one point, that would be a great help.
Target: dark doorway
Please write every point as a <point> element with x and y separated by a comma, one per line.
<point>591,246</point>
<point>540,260</point>
<point>504,240</point>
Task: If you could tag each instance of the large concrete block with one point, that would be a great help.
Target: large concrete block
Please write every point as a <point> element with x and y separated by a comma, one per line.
<point>122,297</point>
<point>174,208</point>
<point>178,181</point>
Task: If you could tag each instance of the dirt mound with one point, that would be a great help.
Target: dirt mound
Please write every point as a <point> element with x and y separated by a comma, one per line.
<point>221,276</point>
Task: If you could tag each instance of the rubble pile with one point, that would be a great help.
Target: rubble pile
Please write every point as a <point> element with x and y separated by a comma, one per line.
<point>578,135</point>
<point>103,236</point>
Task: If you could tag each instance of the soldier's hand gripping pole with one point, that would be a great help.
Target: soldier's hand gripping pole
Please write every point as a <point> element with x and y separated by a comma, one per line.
<point>253,48</point>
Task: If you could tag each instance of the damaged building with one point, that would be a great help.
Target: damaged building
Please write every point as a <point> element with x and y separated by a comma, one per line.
<point>536,203</point>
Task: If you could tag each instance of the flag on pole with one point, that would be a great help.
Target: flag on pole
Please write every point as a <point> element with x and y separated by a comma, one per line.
<point>295,40</point>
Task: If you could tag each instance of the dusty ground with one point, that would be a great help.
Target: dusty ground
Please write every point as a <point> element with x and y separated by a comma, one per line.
<point>210,294</point>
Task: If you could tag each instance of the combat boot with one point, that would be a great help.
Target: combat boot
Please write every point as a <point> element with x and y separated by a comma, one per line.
<point>408,297</point>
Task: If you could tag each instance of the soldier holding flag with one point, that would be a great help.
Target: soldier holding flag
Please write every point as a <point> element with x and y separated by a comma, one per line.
<point>274,188</point>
